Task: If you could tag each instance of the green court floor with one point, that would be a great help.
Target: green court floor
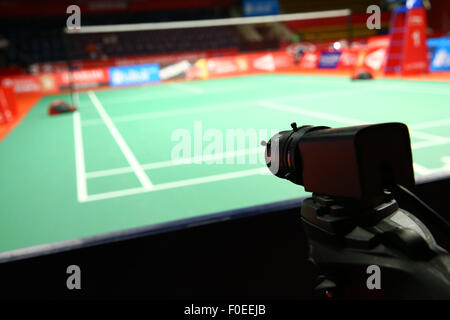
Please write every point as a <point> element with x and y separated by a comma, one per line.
<point>110,167</point>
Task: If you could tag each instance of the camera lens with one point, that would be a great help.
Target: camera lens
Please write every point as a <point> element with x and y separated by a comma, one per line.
<point>283,156</point>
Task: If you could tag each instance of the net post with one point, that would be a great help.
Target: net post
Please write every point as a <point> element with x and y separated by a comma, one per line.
<point>70,67</point>
<point>350,28</point>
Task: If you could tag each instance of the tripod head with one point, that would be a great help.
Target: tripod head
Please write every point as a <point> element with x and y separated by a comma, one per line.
<point>352,220</point>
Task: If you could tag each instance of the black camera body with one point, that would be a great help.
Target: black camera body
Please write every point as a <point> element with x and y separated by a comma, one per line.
<point>352,220</point>
<point>353,162</point>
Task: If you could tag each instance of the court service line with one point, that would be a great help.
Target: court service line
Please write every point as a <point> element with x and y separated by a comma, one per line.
<point>426,136</point>
<point>79,158</point>
<point>229,88</point>
<point>134,164</point>
<point>326,94</point>
<point>168,113</point>
<point>315,114</point>
<point>177,184</point>
<point>154,96</point>
<point>366,85</point>
<point>196,181</point>
<point>211,107</point>
<point>431,124</point>
<point>429,143</point>
<point>187,88</point>
<point>170,163</point>
<point>432,139</point>
<point>415,89</point>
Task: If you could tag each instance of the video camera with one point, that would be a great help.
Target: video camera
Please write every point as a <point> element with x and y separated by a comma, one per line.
<point>353,221</point>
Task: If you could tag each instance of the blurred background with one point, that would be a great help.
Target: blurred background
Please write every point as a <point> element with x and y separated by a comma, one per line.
<point>31,32</point>
<point>98,185</point>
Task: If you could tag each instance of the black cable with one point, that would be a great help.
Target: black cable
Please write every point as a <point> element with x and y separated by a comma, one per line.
<point>441,222</point>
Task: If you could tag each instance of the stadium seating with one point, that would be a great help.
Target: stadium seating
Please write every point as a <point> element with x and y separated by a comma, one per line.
<point>46,43</point>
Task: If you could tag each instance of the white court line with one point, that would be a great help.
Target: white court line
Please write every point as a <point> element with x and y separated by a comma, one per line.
<point>415,89</point>
<point>140,173</point>
<point>427,136</point>
<point>421,169</point>
<point>430,143</point>
<point>79,158</point>
<point>432,139</point>
<point>152,96</point>
<point>109,172</point>
<point>177,184</point>
<point>326,94</point>
<point>229,88</point>
<point>170,163</point>
<point>169,113</point>
<point>315,114</point>
<point>187,88</point>
<point>438,140</point>
<point>210,107</point>
<point>426,174</point>
<point>431,124</point>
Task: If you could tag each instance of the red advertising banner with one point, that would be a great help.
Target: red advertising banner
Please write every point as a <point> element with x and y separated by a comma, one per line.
<point>162,59</point>
<point>240,64</point>
<point>370,59</point>
<point>44,83</point>
<point>7,105</point>
<point>309,60</point>
<point>347,59</point>
<point>370,56</point>
<point>375,58</point>
<point>22,83</point>
<point>226,66</point>
<point>82,78</point>
<point>53,82</point>
<point>271,61</point>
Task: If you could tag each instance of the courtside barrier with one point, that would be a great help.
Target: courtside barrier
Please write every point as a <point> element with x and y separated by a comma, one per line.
<point>371,55</point>
<point>8,107</point>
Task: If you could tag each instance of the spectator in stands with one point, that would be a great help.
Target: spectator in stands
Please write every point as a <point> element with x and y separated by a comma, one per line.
<point>4,46</point>
<point>92,50</point>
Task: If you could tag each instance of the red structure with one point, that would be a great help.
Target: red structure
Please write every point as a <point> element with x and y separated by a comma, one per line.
<point>407,52</point>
